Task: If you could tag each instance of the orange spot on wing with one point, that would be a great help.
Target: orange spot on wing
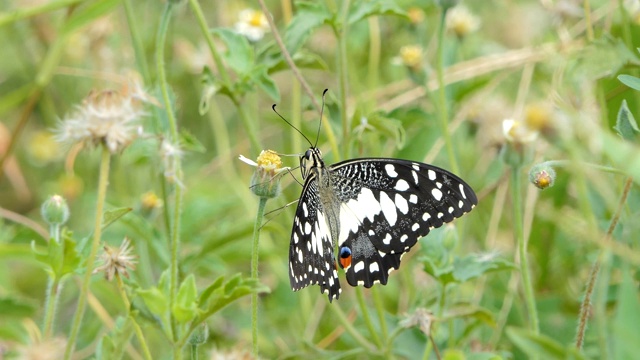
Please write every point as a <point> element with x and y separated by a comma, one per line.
<point>345,262</point>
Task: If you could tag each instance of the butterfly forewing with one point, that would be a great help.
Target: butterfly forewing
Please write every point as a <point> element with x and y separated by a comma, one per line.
<point>375,210</point>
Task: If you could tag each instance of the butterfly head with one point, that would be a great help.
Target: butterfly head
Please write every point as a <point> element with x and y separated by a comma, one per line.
<point>311,159</point>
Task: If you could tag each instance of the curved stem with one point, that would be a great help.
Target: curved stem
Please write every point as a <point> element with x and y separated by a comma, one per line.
<point>343,77</point>
<point>516,182</point>
<point>136,327</point>
<point>177,205</point>
<point>97,233</point>
<point>443,110</point>
<point>585,307</point>
<point>254,274</point>
<point>367,318</point>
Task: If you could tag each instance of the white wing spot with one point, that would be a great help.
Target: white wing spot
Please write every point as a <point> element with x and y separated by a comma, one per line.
<point>437,194</point>
<point>460,204</point>
<point>300,256</point>
<point>388,208</point>
<point>415,177</point>
<point>353,213</point>
<point>402,185</point>
<point>401,203</point>
<point>413,199</point>
<point>307,228</point>
<point>371,232</point>
<point>450,209</point>
<point>464,196</point>
<point>415,166</point>
<point>391,170</point>
<point>296,239</point>
<point>439,184</point>
<point>431,174</point>
<point>313,240</point>
<point>310,268</point>
<point>426,216</point>
<point>440,215</point>
<point>415,227</point>
<point>403,238</point>
<point>305,210</point>
<point>373,267</point>
<point>359,266</point>
<point>379,252</point>
<point>387,239</point>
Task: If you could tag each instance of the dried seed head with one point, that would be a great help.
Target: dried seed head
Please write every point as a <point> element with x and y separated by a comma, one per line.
<point>117,260</point>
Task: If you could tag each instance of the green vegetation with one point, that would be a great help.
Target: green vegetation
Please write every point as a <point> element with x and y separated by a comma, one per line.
<point>129,228</point>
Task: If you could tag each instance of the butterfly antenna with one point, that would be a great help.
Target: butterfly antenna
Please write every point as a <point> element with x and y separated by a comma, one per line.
<point>321,115</point>
<point>285,120</point>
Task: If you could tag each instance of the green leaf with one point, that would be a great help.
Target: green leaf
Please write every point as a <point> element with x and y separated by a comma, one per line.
<point>112,215</point>
<point>86,15</point>
<point>71,260</point>
<point>260,76</point>
<point>190,142</point>
<point>215,285</point>
<point>474,265</point>
<point>626,125</point>
<point>155,300</point>
<point>627,318</point>
<point>185,307</point>
<point>221,295</point>
<point>365,8</point>
<point>16,308</point>
<point>541,346</point>
<point>112,345</point>
<point>604,57</point>
<point>631,81</point>
<point>310,15</point>
<point>239,55</point>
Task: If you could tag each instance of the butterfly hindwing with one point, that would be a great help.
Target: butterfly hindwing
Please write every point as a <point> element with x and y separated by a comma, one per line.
<point>311,259</point>
<point>390,204</point>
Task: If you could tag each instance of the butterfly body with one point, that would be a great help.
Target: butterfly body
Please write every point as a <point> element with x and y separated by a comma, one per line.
<point>373,210</point>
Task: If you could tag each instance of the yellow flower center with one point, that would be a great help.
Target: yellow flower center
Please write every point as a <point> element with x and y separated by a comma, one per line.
<point>411,55</point>
<point>269,159</point>
<point>257,19</point>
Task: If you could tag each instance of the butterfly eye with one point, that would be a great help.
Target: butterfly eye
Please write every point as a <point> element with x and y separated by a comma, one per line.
<point>345,257</point>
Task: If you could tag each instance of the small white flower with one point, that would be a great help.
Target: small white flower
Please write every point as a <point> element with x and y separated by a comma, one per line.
<point>461,21</point>
<point>253,24</point>
<point>107,117</point>
<point>518,133</point>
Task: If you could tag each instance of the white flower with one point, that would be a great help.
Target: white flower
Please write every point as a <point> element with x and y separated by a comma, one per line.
<point>253,24</point>
<point>461,21</point>
<point>518,133</point>
<point>107,117</point>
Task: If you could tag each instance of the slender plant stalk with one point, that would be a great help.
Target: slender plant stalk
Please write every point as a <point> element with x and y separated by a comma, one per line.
<point>443,110</point>
<point>21,13</point>
<point>136,326</point>
<point>587,19</point>
<point>254,274</point>
<point>95,244</point>
<point>53,288</point>
<point>585,307</point>
<point>378,303</point>
<point>287,56</point>
<point>342,318</point>
<point>367,318</point>
<point>516,182</point>
<point>343,74</point>
<point>136,42</point>
<point>177,202</point>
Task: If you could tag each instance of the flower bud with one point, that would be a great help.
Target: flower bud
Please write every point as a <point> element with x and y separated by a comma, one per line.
<point>542,176</point>
<point>199,335</point>
<point>265,182</point>
<point>55,210</point>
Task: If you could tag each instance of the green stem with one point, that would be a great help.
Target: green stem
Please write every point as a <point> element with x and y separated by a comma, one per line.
<point>97,233</point>
<point>177,205</point>
<point>53,288</point>
<point>254,274</point>
<point>569,163</point>
<point>22,13</point>
<point>342,318</point>
<point>136,42</point>
<point>53,294</point>
<point>443,110</point>
<point>377,301</point>
<point>516,182</point>
<point>587,19</point>
<point>343,77</point>
<point>367,318</point>
<point>136,326</point>
<point>194,352</point>
<point>248,125</point>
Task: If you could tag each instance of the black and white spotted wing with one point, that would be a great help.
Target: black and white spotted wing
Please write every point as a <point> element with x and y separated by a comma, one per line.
<point>375,210</point>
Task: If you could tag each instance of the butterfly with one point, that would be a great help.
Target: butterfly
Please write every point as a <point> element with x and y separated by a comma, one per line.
<point>374,209</point>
